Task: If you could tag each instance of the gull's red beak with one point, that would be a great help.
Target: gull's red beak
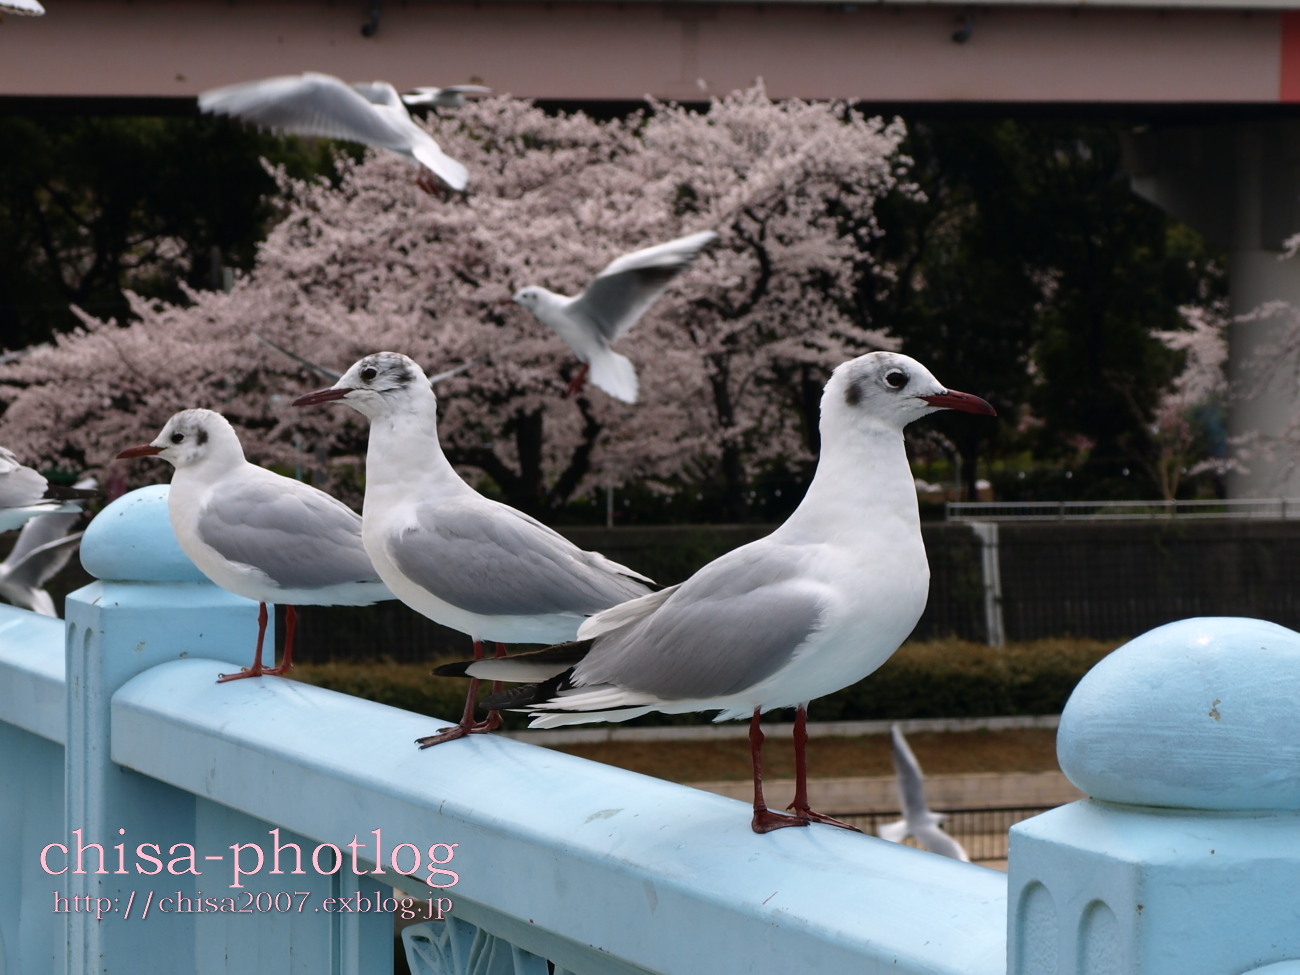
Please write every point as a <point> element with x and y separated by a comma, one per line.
<point>965,402</point>
<point>321,396</point>
<point>144,450</point>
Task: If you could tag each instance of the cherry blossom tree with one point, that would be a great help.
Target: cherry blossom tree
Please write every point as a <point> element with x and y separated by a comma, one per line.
<point>730,358</point>
<point>1187,426</point>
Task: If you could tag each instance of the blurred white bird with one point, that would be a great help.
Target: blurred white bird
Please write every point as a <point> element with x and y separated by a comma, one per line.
<point>453,96</point>
<point>918,820</point>
<point>26,8</point>
<point>371,113</point>
<point>256,533</point>
<point>610,305</point>
<point>25,493</point>
<point>40,552</point>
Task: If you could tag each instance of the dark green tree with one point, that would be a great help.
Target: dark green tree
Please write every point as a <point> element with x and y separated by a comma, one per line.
<point>1030,272</point>
<point>90,205</point>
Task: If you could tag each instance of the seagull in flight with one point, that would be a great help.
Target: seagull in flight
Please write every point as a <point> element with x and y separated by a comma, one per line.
<point>256,533</point>
<point>453,96</point>
<point>611,304</point>
<point>815,606</point>
<point>463,560</point>
<point>314,104</point>
<point>26,493</point>
<point>42,549</point>
<point>918,820</point>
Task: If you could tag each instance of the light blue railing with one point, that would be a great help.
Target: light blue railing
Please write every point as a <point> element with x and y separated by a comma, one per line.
<point>204,796</point>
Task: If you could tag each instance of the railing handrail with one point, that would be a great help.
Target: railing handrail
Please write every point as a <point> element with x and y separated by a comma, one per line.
<point>598,841</point>
<point>1280,508</point>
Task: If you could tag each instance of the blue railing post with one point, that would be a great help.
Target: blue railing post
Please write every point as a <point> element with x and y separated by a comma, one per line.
<point>149,605</point>
<point>1185,858</point>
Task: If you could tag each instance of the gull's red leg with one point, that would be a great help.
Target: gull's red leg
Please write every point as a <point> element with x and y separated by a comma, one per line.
<point>467,725</point>
<point>765,820</point>
<point>578,381</point>
<point>800,805</point>
<point>257,670</point>
<point>286,659</point>
<point>493,721</point>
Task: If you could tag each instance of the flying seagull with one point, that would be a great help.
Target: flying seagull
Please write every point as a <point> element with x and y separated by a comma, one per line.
<point>25,493</point>
<point>611,304</point>
<point>256,533</point>
<point>815,606</point>
<point>40,552</point>
<point>462,560</point>
<point>918,820</point>
<point>371,113</point>
<point>453,96</point>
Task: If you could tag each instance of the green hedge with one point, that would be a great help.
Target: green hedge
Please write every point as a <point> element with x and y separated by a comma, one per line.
<point>933,679</point>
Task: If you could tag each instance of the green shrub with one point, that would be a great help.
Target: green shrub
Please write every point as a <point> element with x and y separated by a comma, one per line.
<point>932,679</point>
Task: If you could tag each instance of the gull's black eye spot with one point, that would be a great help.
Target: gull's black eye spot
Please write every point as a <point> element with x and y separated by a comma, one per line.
<point>896,378</point>
<point>368,374</point>
<point>853,395</point>
<point>178,438</point>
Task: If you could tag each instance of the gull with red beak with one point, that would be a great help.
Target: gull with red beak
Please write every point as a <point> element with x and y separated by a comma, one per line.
<point>813,607</point>
<point>256,533</point>
<point>449,553</point>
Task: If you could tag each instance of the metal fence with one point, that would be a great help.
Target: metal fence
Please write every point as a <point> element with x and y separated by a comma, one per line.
<point>1120,510</point>
<point>981,831</point>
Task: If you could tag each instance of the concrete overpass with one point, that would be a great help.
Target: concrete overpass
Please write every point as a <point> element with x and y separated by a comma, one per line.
<point>1218,83</point>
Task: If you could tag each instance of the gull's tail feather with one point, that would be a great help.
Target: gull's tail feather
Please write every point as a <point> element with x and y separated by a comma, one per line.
<point>615,374</point>
<point>534,666</point>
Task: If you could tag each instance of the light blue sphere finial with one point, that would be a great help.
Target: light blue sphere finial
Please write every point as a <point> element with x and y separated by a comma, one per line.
<point>132,540</point>
<point>1197,714</point>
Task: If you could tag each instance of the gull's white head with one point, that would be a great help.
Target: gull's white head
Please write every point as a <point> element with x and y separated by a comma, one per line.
<point>381,383</point>
<point>191,437</point>
<point>531,297</point>
<point>889,389</point>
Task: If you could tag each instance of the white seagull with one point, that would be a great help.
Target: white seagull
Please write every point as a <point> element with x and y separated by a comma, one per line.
<point>610,305</point>
<point>449,553</point>
<point>315,104</point>
<point>256,533</point>
<point>453,96</point>
<point>918,820</point>
<point>25,493</point>
<point>26,8</point>
<point>816,605</point>
<point>40,552</point>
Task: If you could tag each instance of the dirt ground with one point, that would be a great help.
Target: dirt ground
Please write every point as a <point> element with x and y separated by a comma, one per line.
<point>1029,750</point>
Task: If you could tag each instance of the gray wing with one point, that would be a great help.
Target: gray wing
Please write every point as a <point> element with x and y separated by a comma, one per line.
<point>490,559</point>
<point>310,104</point>
<point>300,537</point>
<point>19,485</point>
<point>621,293</point>
<point>907,773</point>
<point>37,566</point>
<point>734,623</point>
<point>40,531</point>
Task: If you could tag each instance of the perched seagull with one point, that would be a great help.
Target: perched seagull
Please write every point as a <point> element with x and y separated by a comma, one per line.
<point>314,104</point>
<point>256,533</point>
<point>918,820</point>
<point>27,8</point>
<point>611,304</point>
<point>24,493</point>
<point>815,606</point>
<point>453,96</point>
<point>449,553</point>
<point>40,552</point>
